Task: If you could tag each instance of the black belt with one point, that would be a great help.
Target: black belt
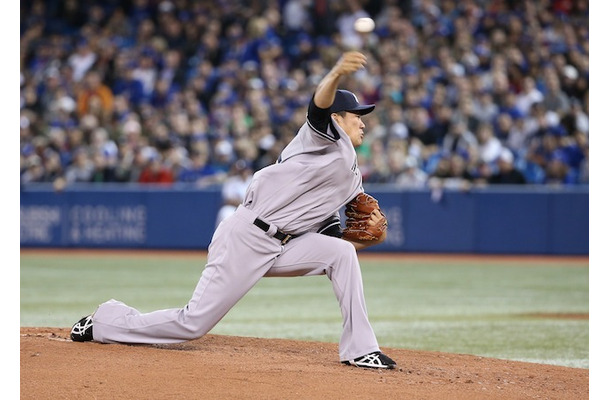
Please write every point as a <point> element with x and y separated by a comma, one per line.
<point>281,236</point>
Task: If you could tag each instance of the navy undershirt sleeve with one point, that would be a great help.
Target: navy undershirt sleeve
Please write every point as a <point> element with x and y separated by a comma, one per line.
<point>331,227</point>
<point>318,117</point>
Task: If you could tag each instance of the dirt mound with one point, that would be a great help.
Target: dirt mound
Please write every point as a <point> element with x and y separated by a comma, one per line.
<point>230,367</point>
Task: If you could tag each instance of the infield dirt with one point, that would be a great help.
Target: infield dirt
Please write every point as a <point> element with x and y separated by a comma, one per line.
<point>231,367</point>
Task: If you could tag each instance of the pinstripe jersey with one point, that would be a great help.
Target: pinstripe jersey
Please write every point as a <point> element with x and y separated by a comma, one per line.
<point>316,175</point>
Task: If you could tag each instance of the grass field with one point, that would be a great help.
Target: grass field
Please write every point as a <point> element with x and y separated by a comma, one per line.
<point>529,309</point>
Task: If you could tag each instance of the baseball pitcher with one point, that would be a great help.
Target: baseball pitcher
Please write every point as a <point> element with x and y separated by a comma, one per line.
<point>288,225</point>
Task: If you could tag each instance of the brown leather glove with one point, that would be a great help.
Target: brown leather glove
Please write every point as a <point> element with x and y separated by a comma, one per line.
<point>359,226</point>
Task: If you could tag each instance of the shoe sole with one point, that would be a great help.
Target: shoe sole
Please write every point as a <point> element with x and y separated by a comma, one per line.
<point>391,366</point>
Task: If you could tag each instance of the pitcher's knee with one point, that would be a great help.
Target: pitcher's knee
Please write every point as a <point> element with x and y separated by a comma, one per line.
<point>344,250</point>
<point>194,332</point>
<point>193,327</point>
<point>346,247</point>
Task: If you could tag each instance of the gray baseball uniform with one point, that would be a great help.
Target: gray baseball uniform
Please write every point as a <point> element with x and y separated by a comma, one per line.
<point>316,175</point>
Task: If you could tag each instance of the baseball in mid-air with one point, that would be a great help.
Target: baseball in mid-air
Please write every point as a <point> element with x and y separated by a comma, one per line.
<point>364,25</point>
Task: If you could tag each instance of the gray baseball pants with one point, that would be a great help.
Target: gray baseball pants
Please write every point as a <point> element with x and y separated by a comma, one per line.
<point>239,255</point>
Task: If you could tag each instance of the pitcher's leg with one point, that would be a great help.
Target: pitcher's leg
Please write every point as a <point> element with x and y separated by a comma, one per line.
<point>232,270</point>
<point>116,322</point>
<point>316,254</point>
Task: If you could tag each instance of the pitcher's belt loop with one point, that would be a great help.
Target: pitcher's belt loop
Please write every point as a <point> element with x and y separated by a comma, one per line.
<point>281,236</point>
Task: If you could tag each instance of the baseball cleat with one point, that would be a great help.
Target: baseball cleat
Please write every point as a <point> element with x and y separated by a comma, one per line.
<point>82,331</point>
<point>373,360</point>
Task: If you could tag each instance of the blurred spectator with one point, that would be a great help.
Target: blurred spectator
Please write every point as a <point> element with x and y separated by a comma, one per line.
<point>377,169</point>
<point>466,112</point>
<point>145,73</point>
<point>95,97</point>
<point>412,177</point>
<point>34,172</point>
<point>442,114</point>
<point>53,168</point>
<point>575,120</point>
<point>198,169</point>
<point>544,149</point>
<point>484,108</point>
<point>518,136</point>
<point>124,162</point>
<point>155,171</point>
<point>102,169</point>
<point>459,139</point>
<point>397,126</point>
<point>458,176</point>
<point>558,172</point>
<point>81,168</point>
<point>490,146</point>
<point>422,133</point>
<point>81,60</point>
<point>503,125</point>
<point>126,85</point>
<point>528,96</point>
<point>555,98</point>
<point>442,170</point>
<point>222,159</point>
<point>506,173</point>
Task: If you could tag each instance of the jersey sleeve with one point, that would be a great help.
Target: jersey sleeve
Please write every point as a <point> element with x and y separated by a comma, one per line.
<point>318,120</point>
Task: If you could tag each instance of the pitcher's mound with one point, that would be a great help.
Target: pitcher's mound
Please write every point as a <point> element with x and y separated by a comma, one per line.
<point>231,367</point>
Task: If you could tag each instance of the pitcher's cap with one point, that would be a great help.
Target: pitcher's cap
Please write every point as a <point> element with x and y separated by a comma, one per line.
<point>347,101</point>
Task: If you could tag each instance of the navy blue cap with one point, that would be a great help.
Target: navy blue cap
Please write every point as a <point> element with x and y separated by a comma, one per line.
<point>347,101</point>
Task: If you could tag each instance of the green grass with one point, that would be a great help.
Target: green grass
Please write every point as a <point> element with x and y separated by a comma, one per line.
<point>495,309</point>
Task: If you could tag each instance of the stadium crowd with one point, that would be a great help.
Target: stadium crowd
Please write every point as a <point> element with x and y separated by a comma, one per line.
<point>469,92</point>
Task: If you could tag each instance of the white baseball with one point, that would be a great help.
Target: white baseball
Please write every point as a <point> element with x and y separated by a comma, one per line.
<point>364,25</point>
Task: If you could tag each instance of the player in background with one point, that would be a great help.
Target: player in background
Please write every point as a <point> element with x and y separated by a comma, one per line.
<point>234,189</point>
<point>288,225</point>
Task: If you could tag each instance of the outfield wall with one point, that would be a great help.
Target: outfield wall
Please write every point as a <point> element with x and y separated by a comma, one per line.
<point>502,220</point>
